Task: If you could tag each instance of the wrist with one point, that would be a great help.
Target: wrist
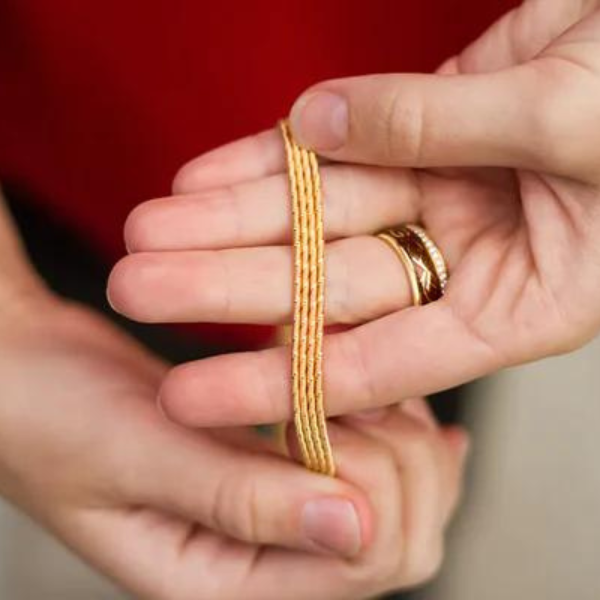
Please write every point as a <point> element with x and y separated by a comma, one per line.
<point>34,325</point>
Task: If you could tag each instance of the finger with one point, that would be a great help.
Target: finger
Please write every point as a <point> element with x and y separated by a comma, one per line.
<point>518,36</point>
<point>365,280</point>
<point>398,554</point>
<point>356,200</point>
<point>416,409</point>
<point>419,410</point>
<point>502,119</point>
<point>251,497</point>
<point>428,481</point>
<point>439,452</point>
<point>155,547</point>
<point>458,443</point>
<point>414,352</point>
<point>154,556</point>
<point>252,157</point>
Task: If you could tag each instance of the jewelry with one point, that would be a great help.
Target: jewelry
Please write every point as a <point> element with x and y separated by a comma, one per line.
<point>422,260</point>
<point>435,254</point>
<point>402,254</point>
<point>309,305</point>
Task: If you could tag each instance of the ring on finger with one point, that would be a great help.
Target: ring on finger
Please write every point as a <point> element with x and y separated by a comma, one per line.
<point>422,260</point>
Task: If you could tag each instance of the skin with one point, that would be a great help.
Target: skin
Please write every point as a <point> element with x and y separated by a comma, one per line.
<point>497,154</point>
<point>174,514</point>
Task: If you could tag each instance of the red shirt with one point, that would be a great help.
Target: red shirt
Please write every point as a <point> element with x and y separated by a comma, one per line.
<point>101,102</point>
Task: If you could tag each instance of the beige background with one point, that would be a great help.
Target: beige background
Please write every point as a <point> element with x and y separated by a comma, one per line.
<point>530,528</point>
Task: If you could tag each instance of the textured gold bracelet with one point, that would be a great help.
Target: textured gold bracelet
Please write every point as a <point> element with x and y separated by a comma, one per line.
<point>309,305</point>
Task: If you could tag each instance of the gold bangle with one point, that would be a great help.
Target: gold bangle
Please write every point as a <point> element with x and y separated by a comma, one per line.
<point>309,305</point>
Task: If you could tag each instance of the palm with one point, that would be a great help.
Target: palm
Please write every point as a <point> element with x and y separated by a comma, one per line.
<point>518,236</point>
<point>512,240</point>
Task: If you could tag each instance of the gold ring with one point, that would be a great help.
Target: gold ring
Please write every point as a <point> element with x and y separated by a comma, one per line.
<point>422,260</point>
<point>439,264</point>
<point>404,256</point>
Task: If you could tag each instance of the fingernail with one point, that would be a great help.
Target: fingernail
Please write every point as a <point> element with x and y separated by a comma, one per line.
<point>332,524</point>
<point>319,120</point>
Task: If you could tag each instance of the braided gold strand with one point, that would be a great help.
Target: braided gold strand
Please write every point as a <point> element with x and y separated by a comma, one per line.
<point>303,348</point>
<point>329,464</point>
<point>308,317</point>
<point>298,331</point>
<point>309,302</point>
<point>313,317</point>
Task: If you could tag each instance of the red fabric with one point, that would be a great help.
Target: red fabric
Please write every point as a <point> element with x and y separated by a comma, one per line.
<point>100,102</point>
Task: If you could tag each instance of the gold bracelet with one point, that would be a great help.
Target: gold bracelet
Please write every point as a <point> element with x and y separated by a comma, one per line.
<point>309,305</point>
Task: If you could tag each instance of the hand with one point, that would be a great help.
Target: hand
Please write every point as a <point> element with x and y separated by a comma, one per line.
<point>171,513</point>
<point>517,217</point>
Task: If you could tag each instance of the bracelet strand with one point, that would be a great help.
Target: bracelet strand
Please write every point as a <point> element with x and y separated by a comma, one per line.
<point>309,306</point>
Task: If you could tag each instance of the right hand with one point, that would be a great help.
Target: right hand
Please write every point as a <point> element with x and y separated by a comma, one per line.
<point>179,514</point>
<point>517,218</point>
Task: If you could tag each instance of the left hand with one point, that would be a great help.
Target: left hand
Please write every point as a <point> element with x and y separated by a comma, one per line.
<point>170,513</point>
<point>516,116</point>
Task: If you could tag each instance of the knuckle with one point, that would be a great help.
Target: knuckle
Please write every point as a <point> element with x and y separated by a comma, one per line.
<point>384,574</point>
<point>380,574</point>
<point>340,298</point>
<point>338,209</point>
<point>355,355</point>
<point>235,507</point>
<point>419,446</point>
<point>392,567</point>
<point>220,297</point>
<point>225,207</point>
<point>550,131</point>
<point>564,114</point>
<point>403,126</point>
<point>423,565</point>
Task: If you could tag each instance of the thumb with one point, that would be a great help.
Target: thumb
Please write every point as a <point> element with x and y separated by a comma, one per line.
<point>502,119</point>
<point>249,496</point>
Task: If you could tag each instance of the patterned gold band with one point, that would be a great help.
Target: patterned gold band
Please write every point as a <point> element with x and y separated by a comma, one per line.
<point>422,260</point>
